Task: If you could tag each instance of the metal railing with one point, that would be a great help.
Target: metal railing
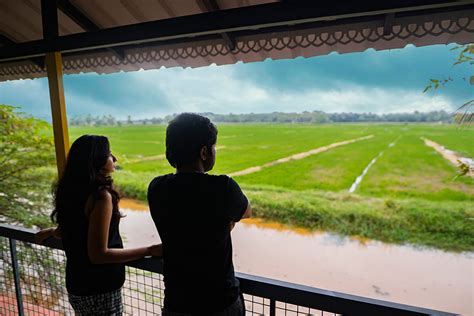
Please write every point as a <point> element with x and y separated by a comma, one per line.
<point>32,282</point>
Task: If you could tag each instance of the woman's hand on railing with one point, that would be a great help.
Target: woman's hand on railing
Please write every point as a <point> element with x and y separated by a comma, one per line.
<point>44,234</point>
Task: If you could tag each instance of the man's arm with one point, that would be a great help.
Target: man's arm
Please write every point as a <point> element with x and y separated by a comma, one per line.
<point>248,211</point>
<point>237,205</point>
<point>247,214</point>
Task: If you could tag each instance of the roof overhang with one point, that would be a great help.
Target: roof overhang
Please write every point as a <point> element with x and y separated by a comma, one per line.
<point>276,30</point>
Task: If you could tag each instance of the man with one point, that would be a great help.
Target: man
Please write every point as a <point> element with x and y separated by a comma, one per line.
<point>194,213</point>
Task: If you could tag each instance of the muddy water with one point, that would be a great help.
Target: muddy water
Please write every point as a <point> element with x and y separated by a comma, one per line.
<point>423,277</point>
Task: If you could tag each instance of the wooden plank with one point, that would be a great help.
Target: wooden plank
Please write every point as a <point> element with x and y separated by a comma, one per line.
<point>58,108</point>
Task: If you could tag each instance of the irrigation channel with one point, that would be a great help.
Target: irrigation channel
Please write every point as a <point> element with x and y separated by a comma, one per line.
<point>405,274</point>
<point>358,180</point>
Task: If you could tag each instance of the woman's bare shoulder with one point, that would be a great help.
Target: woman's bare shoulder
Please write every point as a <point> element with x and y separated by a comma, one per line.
<point>103,195</point>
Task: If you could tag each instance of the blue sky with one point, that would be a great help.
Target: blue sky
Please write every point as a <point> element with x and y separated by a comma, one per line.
<point>370,81</point>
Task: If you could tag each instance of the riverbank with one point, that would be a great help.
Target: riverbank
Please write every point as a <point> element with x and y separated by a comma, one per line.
<point>446,225</point>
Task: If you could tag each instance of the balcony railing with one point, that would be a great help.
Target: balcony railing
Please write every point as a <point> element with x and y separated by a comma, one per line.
<point>32,282</point>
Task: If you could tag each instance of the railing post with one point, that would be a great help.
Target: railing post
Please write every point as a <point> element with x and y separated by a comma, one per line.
<point>272,307</point>
<point>16,276</point>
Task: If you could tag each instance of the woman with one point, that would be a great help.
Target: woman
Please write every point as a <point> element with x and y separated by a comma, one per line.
<point>86,211</point>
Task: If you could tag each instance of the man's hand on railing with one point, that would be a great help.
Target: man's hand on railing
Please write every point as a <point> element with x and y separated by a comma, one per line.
<point>44,234</point>
<point>156,250</point>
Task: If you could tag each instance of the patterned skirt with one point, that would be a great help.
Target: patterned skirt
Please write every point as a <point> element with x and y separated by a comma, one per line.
<point>99,304</point>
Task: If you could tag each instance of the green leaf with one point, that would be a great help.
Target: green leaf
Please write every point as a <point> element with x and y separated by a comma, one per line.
<point>471,81</point>
<point>26,146</point>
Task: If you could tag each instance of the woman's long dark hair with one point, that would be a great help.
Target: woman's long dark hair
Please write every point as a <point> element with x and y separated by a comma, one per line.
<point>82,178</point>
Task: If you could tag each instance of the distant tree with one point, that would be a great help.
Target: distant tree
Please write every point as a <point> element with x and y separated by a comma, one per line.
<point>27,148</point>
<point>156,120</point>
<point>89,119</point>
<point>110,120</point>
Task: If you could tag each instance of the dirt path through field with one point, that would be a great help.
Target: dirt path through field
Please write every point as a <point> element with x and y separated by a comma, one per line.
<point>157,157</point>
<point>298,156</point>
<point>451,156</point>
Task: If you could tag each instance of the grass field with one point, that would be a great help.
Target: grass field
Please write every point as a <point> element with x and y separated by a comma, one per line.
<point>410,194</point>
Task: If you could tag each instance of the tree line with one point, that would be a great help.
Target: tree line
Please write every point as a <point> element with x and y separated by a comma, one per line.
<point>315,117</point>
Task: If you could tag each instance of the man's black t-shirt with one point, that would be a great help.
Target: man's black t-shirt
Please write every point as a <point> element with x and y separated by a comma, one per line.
<point>192,212</point>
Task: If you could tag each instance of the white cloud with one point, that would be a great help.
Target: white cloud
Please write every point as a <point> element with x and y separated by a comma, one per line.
<point>81,104</point>
<point>217,89</point>
<point>375,100</point>
<point>212,89</point>
<point>220,90</point>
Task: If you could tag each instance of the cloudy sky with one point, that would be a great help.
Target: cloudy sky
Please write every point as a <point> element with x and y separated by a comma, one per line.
<point>379,82</point>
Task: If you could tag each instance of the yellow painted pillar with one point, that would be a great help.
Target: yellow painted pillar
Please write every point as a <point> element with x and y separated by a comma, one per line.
<point>54,68</point>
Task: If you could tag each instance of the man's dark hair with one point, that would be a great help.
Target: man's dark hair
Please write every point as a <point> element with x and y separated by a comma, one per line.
<point>186,134</point>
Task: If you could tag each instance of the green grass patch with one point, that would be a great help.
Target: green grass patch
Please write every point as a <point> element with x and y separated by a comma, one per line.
<point>412,169</point>
<point>444,225</point>
<point>332,170</point>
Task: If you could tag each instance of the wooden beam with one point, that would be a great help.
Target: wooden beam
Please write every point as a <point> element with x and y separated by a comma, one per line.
<point>84,22</point>
<point>388,24</point>
<point>49,19</point>
<point>6,41</point>
<point>77,16</point>
<point>54,69</point>
<point>58,108</point>
<point>212,5</point>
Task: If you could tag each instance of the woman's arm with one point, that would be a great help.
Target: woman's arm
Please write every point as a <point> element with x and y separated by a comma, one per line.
<point>44,234</point>
<point>98,234</point>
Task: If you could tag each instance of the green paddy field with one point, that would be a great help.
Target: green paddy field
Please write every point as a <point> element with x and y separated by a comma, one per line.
<point>410,194</point>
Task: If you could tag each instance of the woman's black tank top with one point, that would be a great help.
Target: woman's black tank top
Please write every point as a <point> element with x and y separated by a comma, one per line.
<point>82,276</point>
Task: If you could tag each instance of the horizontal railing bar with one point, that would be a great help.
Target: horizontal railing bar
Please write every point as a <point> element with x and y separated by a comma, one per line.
<point>330,301</point>
<point>148,264</point>
<point>27,235</point>
<point>277,290</point>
